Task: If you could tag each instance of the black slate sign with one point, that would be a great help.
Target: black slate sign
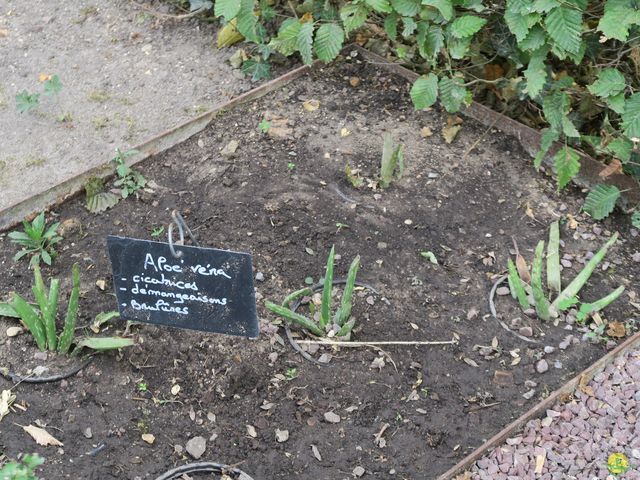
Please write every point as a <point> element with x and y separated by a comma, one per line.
<point>205,289</point>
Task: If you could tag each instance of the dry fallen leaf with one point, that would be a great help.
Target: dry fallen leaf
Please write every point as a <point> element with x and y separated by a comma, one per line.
<point>43,77</point>
<point>614,167</point>
<point>4,32</point>
<point>616,329</point>
<point>6,400</point>
<point>149,438</point>
<point>344,132</point>
<point>41,436</point>
<point>425,132</point>
<point>378,363</point>
<point>316,452</point>
<point>449,133</point>
<point>101,284</point>
<point>282,435</point>
<point>572,223</point>
<point>468,361</point>
<point>540,462</point>
<point>584,387</point>
<point>354,81</point>
<point>311,105</point>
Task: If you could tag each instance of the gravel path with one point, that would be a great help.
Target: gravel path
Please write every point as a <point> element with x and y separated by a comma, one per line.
<point>126,76</point>
<point>574,440</point>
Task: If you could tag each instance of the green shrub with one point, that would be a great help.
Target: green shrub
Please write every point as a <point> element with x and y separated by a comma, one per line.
<point>575,65</point>
<point>22,470</point>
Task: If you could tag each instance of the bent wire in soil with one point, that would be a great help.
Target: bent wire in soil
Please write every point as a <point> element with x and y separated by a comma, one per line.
<point>6,373</point>
<point>492,307</point>
<point>316,288</point>
<point>204,467</point>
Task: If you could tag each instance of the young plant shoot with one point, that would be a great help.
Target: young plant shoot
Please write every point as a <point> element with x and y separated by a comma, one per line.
<point>340,322</point>
<point>37,240</point>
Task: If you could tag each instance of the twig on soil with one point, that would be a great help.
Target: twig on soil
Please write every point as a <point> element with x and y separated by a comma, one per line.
<point>31,379</point>
<point>492,307</point>
<point>475,144</point>
<point>168,16</point>
<point>373,344</point>
<point>481,407</point>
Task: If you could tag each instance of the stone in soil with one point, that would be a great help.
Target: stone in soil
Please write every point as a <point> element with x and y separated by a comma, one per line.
<point>196,447</point>
<point>542,366</point>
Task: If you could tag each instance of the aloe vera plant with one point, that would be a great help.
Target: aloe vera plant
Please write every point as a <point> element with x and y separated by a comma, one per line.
<point>340,323</point>
<point>40,317</point>
<point>566,298</point>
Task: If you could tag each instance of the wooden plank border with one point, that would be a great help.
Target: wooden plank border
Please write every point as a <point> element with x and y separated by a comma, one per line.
<point>13,214</point>
<point>539,409</point>
<point>528,137</point>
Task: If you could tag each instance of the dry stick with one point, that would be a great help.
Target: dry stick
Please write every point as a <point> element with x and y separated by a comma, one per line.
<point>373,344</point>
<point>492,307</point>
<point>481,407</point>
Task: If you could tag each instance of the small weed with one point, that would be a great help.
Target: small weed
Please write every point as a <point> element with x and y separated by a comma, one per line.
<point>291,373</point>
<point>37,240</point>
<point>291,166</point>
<point>264,126</point>
<point>157,231</point>
<point>341,226</point>
<point>340,323</point>
<point>26,101</point>
<point>597,335</point>
<point>65,118</point>
<point>34,162</point>
<point>429,255</point>
<point>353,176</point>
<point>52,86</point>
<point>23,469</point>
<point>129,181</point>
<point>200,109</point>
<point>98,96</point>
<point>142,387</point>
<point>100,122</point>
<point>40,317</point>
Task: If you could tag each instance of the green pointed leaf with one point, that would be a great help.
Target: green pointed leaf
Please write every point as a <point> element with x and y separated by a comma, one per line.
<point>325,311</point>
<point>287,38</point>
<point>25,101</point>
<point>569,129</point>
<point>516,283</point>
<point>53,85</point>
<point>459,47</point>
<point>519,24</point>
<point>553,258</point>
<point>6,310</point>
<point>409,26</point>
<point>353,16</point>
<point>102,343</point>
<point>445,7</point>
<point>452,93</point>
<point>555,106</point>
<point>635,219</point>
<point>535,39</point>
<point>536,73</point>
<point>631,117</point>
<point>295,317</point>
<point>541,302</point>
<point>406,8</point>
<point>391,25</point>
<point>601,201</point>
<point>567,163</point>
<point>564,26</point>
<point>247,21</point>
<point>544,6</point>
<point>616,103</point>
<point>548,137</point>
<point>424,91</point>
<point>328,41</point>
<point>257,70</point>
<point>379,5</point>
<point>304,42</point>
<point>226,8</point>
<point>617,18</point>
<point>433,43</point>
<point>466,25</point>
<point>610,82</point>
<point>621,148</point>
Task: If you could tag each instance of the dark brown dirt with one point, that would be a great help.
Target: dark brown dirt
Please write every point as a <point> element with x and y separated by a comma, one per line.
<point>276,199</point>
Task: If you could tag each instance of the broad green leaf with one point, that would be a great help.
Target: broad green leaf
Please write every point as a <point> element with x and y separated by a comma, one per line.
<point>257,70</point>
<point>466,25</point>
<point>567,163</point>
<point>587,309</point>
<point>247,20</point>
<point>543,6</point>
<point>516,283</point>
<point>536,73</point>
<point>635,219</point>
<point>379,5</point>
<point>328,41</point>
<point>616,19</point>
<point>475,5</point>
<point>353,16</point>
<point>564,26</point>
<point>304,42</point>
<point>569,129</point>
<point>452,93</point>
<point>406,8</point>
<point>610,82</point>
<point>535,39</point>
<point>287,37</point>
<point>518,23</point>
<point>621,148</point>
<point>6,310</point>
<point>616,103</point>
<point>31,319</point>
<point>424,91</point>
<point>459,47</point>
<point>433,42</point>
<point>523,7</point>
<point>631,117</point>
<point>409,26</point>
<point>445,7</point>
<point>601,201</point>
<point>391,26</point>
<point>25,101</point>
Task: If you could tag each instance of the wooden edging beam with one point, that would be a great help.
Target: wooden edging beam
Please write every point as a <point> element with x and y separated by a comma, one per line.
<point>528,137</point>
<point>539,409</point>
<point>13,214</point>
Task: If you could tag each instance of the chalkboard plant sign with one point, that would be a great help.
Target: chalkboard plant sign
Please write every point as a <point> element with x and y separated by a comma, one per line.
<point>338,324</point>
<point>40,318</point>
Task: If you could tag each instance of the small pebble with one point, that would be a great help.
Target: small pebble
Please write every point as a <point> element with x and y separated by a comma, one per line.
<point>549,349</point>
<point>503,291</point>
<point>526,331</point>
<point>542,366</point>
<point>40,356</point>
<point>260,277</point>
<point>529,395</point>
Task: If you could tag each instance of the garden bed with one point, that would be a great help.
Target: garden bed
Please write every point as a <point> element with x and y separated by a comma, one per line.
<point>284,197</point>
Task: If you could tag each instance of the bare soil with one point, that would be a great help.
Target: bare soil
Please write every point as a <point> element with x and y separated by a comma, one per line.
<point>282,200</point>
